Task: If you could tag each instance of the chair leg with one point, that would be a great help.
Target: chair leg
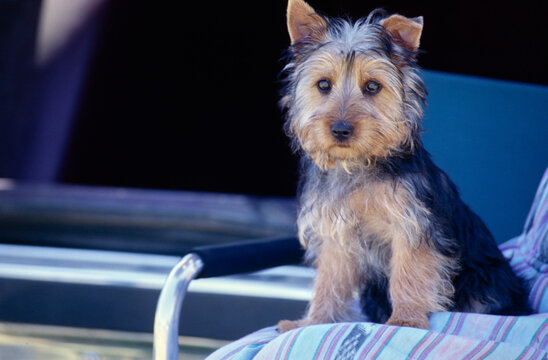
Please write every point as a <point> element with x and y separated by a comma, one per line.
<point>168,309</point>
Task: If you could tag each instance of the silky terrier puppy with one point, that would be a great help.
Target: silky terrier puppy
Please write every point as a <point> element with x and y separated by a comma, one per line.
<point>383,225</point>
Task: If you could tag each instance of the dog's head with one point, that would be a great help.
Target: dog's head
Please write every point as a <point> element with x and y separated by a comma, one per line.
<point>353,92</point>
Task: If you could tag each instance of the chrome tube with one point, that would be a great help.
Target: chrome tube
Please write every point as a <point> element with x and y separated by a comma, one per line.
<point>168,309</point>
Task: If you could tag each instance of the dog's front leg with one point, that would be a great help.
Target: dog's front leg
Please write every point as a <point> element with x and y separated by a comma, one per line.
<point>336,286</point>
<point>420,283</point>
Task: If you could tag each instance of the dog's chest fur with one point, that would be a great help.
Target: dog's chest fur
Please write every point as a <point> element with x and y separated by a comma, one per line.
<point>359,213</point>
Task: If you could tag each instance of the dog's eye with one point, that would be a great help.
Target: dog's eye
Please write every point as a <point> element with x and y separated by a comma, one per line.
<point>324,86</point>
<point>372,87</point>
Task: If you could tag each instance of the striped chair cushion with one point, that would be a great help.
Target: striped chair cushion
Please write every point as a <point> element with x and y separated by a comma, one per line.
<point>528,253</point>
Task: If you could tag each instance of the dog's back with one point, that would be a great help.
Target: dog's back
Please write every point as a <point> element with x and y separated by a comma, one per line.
<point>485,282</point>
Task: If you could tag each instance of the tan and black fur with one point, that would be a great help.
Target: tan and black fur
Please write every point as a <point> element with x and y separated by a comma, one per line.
<point>379,220</point>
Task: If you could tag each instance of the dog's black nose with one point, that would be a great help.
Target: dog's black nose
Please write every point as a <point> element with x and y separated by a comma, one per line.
<point>341,130</point>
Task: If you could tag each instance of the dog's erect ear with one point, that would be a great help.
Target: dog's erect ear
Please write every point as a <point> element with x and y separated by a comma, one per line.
<point>405,31</point>
<point>303,23</point>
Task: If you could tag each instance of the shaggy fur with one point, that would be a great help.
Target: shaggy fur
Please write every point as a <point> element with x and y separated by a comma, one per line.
<point>380,221</point>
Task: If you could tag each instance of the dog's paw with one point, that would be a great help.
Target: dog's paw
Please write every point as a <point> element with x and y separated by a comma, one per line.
<point>415,323</point>
<point>286,325</point>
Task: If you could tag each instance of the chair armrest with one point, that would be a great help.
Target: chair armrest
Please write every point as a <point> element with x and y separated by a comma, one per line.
<point>248,256</point>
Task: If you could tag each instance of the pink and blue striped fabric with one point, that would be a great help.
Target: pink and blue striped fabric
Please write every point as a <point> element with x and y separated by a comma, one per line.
<point>451,335</point>
<point>528,253</point>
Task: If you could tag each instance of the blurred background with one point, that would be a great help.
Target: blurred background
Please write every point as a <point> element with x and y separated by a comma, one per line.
<point>138,93</point>
<point>131,128</point>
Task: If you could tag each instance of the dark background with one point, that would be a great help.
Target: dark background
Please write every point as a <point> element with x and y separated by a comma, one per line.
<point>184,95</point>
